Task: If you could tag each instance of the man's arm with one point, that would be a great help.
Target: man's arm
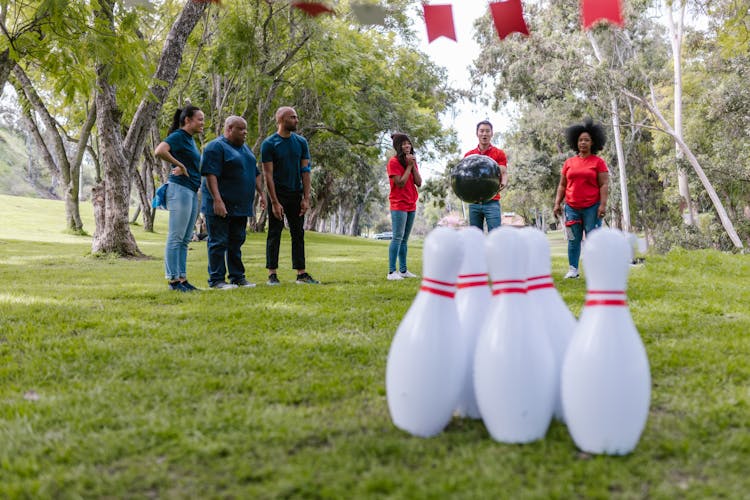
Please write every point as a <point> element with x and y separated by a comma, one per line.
<point>259,191</point>
<point>213,187</point>
<point>305,204</point>
<point>276,209</point>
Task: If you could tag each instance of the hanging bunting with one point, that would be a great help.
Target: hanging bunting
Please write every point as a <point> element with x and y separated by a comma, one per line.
<point>508,18</point>
<point>312,8</point>
<point>367,13</point>
<point>594,11</point>
<point>439,21</point>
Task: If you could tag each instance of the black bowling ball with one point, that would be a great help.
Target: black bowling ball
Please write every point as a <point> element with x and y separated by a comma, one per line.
<point>476,178</point>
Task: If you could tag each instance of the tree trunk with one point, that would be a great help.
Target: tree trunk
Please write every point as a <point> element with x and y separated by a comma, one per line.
<point>614,111</point>
<point>98,195</point>
<point>6,65</point>
<point>723,217</point>
<point>115,236</point>
<point>621,166</point>
<point>119,156</point>
<point>676,30</point>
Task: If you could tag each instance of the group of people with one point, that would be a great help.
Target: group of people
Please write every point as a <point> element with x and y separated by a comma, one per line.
<point>228,177</point>
<point>583,186</point>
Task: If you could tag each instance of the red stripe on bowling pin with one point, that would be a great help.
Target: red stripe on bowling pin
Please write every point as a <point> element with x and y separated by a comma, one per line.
<point>442,288</point>
<point>508,286</point>
<point>606,298</point>
<point>541,282</point>
<point>472,280</point>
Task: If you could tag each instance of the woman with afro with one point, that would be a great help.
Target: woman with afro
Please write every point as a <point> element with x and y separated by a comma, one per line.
<point>584,186</point>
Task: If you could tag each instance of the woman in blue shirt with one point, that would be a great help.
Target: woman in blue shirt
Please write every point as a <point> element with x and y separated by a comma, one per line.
<point>180,151</point>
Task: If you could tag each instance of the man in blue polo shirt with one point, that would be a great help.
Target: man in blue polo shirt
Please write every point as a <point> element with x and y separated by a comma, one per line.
<point>232,177</point>
<point>286,167</point>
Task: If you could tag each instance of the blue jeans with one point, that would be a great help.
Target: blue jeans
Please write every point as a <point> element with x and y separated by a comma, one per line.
<point>584,221</point>
<point>226,235</point>
<point>488,211</point>
<point>182,204</point>
<point>401,223</point>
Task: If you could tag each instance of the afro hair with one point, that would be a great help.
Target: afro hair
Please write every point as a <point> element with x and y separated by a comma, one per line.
<point>596,131</point>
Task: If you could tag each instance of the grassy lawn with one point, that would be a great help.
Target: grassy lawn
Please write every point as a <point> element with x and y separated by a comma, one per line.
<point>111,386</point>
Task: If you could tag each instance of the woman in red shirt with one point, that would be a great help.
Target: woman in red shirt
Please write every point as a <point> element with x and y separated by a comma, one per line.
<point>584,185</point>
<point>404,178</point>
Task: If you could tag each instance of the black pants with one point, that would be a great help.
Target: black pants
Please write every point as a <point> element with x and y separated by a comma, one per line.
<point>290,201</point>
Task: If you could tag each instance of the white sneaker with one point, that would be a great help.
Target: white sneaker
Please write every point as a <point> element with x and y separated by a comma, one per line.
<point>407,274</point>
<point>394,276</point>
<point>572,272</point>
<point>223,285</point>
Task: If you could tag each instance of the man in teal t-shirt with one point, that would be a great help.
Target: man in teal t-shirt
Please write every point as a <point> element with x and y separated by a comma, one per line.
<point>232,177</point>
<point>286,167</point>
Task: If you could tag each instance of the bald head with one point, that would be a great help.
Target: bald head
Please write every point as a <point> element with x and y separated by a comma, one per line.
<point>235,130</point>
<point>286,118</point>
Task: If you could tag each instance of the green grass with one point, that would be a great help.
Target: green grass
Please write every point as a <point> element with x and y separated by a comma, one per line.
<point>113,387</point>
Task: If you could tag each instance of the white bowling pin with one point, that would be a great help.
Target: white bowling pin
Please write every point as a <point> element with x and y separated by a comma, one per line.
<point>514,367</point>
<point>423,376</point>
<point>473,302</point>
<point>606,381</point>
<point>548,306</point>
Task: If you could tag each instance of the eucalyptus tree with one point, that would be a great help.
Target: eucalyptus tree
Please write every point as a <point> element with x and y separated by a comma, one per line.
<point>116,40</point>
<point>24,27</point>
<point>64,163</point>
<point>555,65</point>
<point>351,86</point>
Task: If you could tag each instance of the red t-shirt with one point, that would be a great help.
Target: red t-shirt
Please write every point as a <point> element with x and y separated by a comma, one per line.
<point>496,154</point>
<point>402,198</point>
<point>582,177</point>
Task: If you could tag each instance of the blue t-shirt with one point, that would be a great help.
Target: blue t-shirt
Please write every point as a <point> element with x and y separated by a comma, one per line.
<point>235,169</point>
<point>182,146</point>
<point>287,155</point>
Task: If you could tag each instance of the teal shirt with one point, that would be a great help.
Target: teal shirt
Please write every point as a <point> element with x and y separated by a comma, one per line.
<point>235,169</point>
<point>183,148</point>
<point>287,155</point>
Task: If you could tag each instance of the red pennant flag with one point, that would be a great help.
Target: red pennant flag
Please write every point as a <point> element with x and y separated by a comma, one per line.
<point>508,17</point>
<point>439,21</point>
<point>593,11</point>
<point>312,8</point>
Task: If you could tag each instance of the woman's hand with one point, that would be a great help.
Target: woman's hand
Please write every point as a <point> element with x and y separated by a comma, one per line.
<point>601,211</point>
<point>557,210</point>
<point>179,170</point>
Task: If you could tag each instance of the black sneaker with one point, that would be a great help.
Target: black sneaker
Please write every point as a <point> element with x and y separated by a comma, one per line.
<point>306,279</point>
<point>273,280</point>
<point>176,286</point>
<point>187,286</point>
<point>243,283</point>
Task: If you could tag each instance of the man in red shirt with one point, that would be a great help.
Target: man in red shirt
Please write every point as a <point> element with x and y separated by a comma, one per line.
<point>489,210</point>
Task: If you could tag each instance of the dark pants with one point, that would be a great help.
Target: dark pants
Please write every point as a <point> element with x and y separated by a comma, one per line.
<point>290,201</point>
<point>225,238</point>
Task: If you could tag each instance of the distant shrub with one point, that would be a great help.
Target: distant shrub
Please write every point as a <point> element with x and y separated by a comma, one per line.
<point>706,233</point>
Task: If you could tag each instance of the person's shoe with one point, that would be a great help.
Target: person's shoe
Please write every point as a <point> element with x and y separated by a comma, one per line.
<point>223,285</point>
<point>273,280</point>
<point>176,286</point>
<point>187,286</point>
<point>394,276</point>
<point>306,279</point>
<point>407,274</point>
<point>572,272</point>
<point>243,283</point>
